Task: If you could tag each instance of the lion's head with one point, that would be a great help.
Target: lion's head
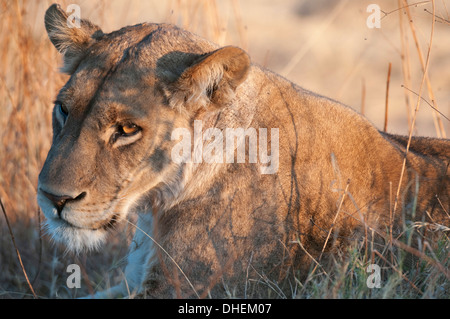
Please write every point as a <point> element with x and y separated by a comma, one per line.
<point>112,121</point>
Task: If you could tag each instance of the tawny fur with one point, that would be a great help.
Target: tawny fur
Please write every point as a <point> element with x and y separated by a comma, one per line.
<point>218,227</point>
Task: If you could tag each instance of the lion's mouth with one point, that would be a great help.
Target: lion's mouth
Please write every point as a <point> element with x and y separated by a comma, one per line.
<point>105,226</point>
<point>79,238</point>
<point>111,223</point>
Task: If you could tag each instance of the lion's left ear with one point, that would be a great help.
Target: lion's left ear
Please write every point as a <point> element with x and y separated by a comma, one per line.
<point>212,77</point>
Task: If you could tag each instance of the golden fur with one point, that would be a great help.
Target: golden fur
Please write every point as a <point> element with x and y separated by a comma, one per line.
<point>217,227</point>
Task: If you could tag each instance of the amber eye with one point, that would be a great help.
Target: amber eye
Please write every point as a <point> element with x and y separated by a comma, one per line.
<point>129,129</point>
<point>125,134</point>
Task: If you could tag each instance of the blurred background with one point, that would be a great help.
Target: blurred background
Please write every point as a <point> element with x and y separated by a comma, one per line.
<point>324,46</point>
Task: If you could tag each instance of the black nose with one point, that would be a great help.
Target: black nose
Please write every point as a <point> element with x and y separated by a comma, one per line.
<point>60,201</point>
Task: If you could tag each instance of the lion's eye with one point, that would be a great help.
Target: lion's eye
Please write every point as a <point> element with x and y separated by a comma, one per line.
<point>62,109</point>
<point>129,129</point>
<point>125,134</point>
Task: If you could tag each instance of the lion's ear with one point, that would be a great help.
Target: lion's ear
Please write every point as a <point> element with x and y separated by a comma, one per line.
<point>213,77</point>
<point>69,39</point>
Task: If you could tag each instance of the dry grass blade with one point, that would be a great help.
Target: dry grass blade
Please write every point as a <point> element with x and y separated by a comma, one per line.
<point>311,257</point>
<point>440,131</point>
<point>406,6</point>
<point>442,20</point>
<point>406,62</point>
<point>423,99</point>
<point>387,97</point>
<point>442,206</point>
<point>431,226</point>
<point>424,77</point>
<point>334,220</point>
<point>363,97</point>
<point>17,250</point>
<point>399,272</point>
<point>423,256</point>
<point>168,255</point>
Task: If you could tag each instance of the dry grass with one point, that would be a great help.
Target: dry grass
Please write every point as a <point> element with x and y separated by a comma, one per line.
<point>29,80</point>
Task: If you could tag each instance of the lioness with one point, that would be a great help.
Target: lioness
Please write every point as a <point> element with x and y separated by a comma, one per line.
<point>209,227</point>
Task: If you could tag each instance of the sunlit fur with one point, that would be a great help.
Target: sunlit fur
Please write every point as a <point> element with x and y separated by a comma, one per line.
<point>208,229</point>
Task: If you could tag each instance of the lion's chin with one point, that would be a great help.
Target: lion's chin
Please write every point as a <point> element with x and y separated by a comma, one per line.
<point>74,238</point>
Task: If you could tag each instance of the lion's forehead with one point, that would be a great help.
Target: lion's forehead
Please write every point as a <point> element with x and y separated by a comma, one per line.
<point>125,60</point>
<point>96,92</point>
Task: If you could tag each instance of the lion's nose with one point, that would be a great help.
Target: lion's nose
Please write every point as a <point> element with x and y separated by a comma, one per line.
<point>60,201</point>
